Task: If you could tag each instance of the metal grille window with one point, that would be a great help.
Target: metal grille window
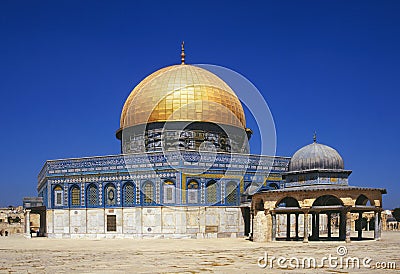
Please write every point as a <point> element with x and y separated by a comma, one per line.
<point>111,223</point>
<point>231,192</point>
<point>169,192</point>
<point>129,196</point>
<point>110,195</point>
<point>92,195</point>
<point>75,196</point>
<point>58,193</point>
<point>193,189</point>
<point>211,194</point>
<point>148,192</point>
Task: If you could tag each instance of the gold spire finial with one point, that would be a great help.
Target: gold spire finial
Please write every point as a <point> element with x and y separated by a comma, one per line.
<point>183,53</point>
<point>315,137</point>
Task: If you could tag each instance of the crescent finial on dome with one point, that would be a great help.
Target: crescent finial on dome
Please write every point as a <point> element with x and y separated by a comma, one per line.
<point>315,137</point>
<point>183,53</point>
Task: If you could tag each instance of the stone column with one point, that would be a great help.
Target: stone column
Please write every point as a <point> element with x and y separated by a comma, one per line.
<point>267,227</point>
<point>297,226</point>
<point>288,227</point>
<point>313,233</point>
<point>380,225</point>
<point>317,226</point>
<point>251,224</point>
<point>28,223</point>
<point>376,228</point>
<point>359,226</point>
<point>348,226</point>
<point>273,238</point>
<point>342,226</point>
<point>329,221</point>
<point>305,240</point>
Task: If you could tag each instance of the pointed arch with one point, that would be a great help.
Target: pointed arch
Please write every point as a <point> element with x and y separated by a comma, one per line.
<point>92,195</point>
<point>288,202</point>
<point>75,195</point>
<point>212,192</point>
<point>363,200</point>
<point>327,200</point>
<point>232,193</point>
<point>168,191</point>
<point>193,191</point>
<point>128,194</point>
<point>58,195</point>
<point>148,193</point>
<point>110,195</point>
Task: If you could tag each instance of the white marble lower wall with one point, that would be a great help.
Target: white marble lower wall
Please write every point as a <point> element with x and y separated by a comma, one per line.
<point>152,222</point>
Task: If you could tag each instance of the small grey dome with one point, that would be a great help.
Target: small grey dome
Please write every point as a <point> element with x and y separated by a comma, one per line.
<point>316,156</point>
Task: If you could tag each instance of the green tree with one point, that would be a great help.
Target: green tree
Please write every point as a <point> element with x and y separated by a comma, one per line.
<point>396,214</point>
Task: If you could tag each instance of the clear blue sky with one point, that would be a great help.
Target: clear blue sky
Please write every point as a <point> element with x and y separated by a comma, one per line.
<point>66,68</point>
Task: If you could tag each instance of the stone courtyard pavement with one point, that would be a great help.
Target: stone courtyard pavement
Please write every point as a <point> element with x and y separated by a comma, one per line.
<point>42,255</point>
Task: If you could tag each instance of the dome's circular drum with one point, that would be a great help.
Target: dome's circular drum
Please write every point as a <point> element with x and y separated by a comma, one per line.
<point>316,156</point>
<point>182,93</point>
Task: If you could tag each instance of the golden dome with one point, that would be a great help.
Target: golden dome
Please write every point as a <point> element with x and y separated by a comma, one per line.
<point>182,93</point>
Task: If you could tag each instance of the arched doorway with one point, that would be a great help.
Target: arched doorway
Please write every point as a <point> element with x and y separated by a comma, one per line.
<point>327,219</point>
<point>363,205</point>
<point>285,219</point>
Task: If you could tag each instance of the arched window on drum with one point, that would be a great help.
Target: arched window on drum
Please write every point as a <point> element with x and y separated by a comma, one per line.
<point>212,192</point>
<point>58,195</point>
<point>110,195</point>
<point>129,194</point>
<point>148,193</point>
<point>168,192</point>
<point>193,188</point>
<point>75,196</point>
<point>92,195</point>
<point>231,193</point>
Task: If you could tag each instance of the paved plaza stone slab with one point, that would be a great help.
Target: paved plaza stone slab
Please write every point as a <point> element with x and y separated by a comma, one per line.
<point>226,255</point>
